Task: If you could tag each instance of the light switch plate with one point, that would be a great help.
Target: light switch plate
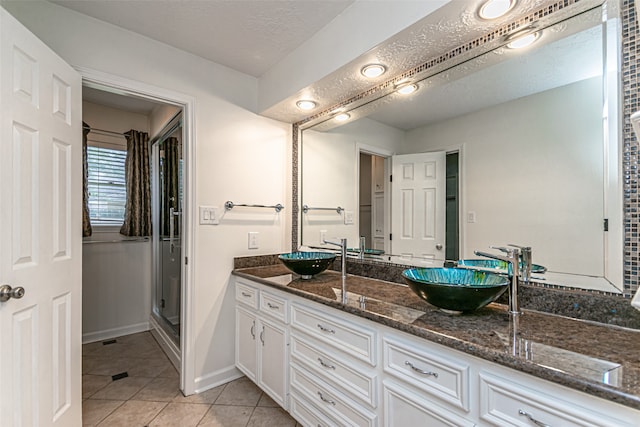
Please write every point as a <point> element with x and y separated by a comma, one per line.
<point>471,217</point>
<point>209,215</point>
<point>348,217</point>
<point>254,242</point>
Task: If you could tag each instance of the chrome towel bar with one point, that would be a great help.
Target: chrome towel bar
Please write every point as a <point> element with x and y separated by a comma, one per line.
<point>228,205</point>
<point>306,209</point>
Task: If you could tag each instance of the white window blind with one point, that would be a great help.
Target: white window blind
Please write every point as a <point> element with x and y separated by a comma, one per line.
<point>106,184</point>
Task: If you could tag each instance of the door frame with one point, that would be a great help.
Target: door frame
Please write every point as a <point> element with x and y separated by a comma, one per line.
<point>386,154</point>
<point>123,86</point>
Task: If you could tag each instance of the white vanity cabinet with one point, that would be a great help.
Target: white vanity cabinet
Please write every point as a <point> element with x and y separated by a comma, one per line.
<point>345,370</point>
<point>262,339</point>
<point>333,366</point>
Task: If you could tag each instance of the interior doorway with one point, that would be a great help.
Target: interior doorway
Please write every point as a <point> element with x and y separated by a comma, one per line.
<point>165,105</point>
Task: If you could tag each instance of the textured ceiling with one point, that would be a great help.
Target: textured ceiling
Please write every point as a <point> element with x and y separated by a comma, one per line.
<point>448,28</point>
<point>247,35</point>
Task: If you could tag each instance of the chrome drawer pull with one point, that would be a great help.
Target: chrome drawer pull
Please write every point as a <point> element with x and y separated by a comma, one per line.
<point>275,307</point>
<point>324,399</point>
<point>262,336</point>
<point>533,420</point>
<point>323,329</point>
<point>420,371</point>
<point>253,328</point>
<point>326,365</point>
<point>244,294</point>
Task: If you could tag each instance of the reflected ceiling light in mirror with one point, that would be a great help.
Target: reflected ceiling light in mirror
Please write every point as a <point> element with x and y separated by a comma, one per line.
<point>407,88</point>
<point>372,71</point>
<point>306,105</point>
<point>342,117</point>
<point>524,41</point>
<point>493,9</point>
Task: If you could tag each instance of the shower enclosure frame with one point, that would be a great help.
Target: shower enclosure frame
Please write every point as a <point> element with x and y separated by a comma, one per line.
<point>158,238</point>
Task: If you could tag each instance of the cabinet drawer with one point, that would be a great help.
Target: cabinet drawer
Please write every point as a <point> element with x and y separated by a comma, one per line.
<point>328,400</point>
<point>353,339</point>
<point>404,408</point>
<point>353,379</point>
<point>274,306</point>
<point>247,294</point>
<point>306,414</point>
<point>436,374</point>
<point>507,403</point>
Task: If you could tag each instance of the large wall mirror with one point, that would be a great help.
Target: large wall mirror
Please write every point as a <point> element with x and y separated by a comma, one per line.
<point>515,146</point>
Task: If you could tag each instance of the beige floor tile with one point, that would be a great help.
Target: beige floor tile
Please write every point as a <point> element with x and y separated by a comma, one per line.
<point>208,396</point>
<point>93,383</point>
<point>99,365</point>
<point>180,414</point>
<point>266,401</point>
<point>133,413</point>
<point>169,372</point>
<point>160,390</point>
<point>241,392</point>
<point>149,367</point>
<point>123,389</point>
<point>269,417</point>
<point>94,411</point>
<point>227,416</point>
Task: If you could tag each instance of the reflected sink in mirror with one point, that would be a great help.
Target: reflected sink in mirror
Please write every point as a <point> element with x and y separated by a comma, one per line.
<point>497,265</point>
<point>306,264</point>
<point>456,289</point>
<point>368,251</point>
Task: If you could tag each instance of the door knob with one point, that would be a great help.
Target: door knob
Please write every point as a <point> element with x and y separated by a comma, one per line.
<point>439,247</point>
<point>7,292</point>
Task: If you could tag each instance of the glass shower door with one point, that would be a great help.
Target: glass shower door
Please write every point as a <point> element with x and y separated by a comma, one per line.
<point>168,253</point>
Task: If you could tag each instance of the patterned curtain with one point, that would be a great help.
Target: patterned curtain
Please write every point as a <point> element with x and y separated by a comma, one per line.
<point>137,214</point>
<point>170,177</point>
<point>86,221</point>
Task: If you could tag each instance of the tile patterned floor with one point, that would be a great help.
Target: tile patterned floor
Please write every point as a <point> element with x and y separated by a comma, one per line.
<point>149,395</point>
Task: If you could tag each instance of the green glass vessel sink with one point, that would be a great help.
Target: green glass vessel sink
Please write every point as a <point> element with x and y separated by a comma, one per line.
<point>456,289</point>
<point>306,264</point>
<point>500,266</point>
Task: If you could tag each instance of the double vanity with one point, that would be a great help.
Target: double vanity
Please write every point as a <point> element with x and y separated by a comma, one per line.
<point>385,357</point>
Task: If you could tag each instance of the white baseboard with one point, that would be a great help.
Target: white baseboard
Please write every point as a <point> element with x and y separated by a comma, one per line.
<point>168,346</point>
<point>114,333</point>
<point>217,378</point>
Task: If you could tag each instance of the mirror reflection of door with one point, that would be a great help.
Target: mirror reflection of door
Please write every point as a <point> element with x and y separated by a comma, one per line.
<point>168,172</point>
<point>418,205</point>
<point>372,196</point>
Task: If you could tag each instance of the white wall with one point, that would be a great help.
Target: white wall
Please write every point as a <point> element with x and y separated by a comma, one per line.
<point>116,277</point>
<point>239,156</point>
<point>533,173</point>
<point>330,178</point>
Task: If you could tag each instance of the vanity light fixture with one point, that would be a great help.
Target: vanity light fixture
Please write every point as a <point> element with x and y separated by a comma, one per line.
<point>493,9</point>
<point>407,89</point>
<point>342,117</point>
<point>306,105</point>
<point>372,71</point>
<point>523,41</point>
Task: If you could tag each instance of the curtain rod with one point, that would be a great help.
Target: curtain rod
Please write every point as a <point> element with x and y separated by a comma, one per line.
<point>108,132</point>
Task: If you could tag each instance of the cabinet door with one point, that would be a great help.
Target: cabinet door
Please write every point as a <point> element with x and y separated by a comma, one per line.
<point>273,373</point>
<point>246,351</point>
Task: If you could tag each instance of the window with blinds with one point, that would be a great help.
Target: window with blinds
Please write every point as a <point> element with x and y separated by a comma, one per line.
<point>106,184</point>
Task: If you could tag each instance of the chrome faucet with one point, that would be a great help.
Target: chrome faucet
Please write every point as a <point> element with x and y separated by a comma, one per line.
<point>363,246</point>
<point>343,265</point>
<point>512,257</point>
<point>527,261</point>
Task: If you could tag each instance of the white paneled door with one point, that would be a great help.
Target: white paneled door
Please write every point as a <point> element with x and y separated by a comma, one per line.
<point>418,204</point>
<point>40,232</point>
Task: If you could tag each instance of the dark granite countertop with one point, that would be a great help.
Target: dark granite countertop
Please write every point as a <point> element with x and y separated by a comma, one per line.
<point>598,359</point>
